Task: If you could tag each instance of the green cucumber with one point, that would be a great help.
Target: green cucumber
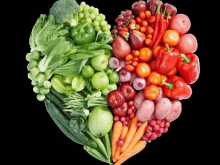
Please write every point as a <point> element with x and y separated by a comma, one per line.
<point>57,94</point>
<point>60,126</point>
<point>65,121</point>
<point>58,103</point>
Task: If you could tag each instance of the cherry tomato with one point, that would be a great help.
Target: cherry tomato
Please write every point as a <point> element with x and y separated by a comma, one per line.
<point>154,78</point>
<point>138,20</point>
<point>163,79</point>
<point>150,30</point>
<point>171,37</point>
<point>172,73</point>
<point>129,57</point>
<point>143,70</point>
<point>129,68</point>
<point>136,53</point>
<point>149,36</point>
<point>144,23</point>
<point>148,41</point>
<point>137,27</point>
<point>134,63</point>
<point>132,21</point>
<point>142,15</point>
<point>147,14</point>
<point>128,62</point>
<point>152,65</point>
<point>136,59</point>
<point>145,54</point>
<point>151,19</point>
<point>156,50</point>
<point>151,92</point>
<point>143,29</point>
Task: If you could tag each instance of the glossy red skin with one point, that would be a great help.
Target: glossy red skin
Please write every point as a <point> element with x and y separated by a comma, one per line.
<point>128,91</point>
<point>138,7</point>
<point>152,6</point>
<point>115,98</point>
<point>168,6</point>
<point>120,48</point>
<point>136,40</point>
<point>181,90</point>
<point>120,111</point>
<point>166,61</point>
<point>189,71</point>
<point>188,44</point>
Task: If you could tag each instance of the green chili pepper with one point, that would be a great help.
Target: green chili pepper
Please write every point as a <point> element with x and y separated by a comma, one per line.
<point>83,34</point>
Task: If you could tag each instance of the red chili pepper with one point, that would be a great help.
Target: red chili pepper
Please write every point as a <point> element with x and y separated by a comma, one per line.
<point>166,59</point>
<point>157,24</point>
<point>176,88</point>
<point>163,27</point>
<point>189,67</point>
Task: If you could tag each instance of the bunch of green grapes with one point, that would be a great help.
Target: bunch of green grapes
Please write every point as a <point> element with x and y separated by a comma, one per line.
<point>38,80</point>
<point>90,14</point>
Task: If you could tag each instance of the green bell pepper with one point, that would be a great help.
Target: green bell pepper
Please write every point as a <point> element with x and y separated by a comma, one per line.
<point>83,34</point>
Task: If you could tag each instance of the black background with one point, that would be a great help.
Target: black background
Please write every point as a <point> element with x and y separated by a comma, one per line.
<point>188,136</point>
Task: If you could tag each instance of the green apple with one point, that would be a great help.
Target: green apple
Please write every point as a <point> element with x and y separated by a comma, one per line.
<point>109,88</point>
<point>99,63</point>
<point>100,80</point>
<point>108,70</point>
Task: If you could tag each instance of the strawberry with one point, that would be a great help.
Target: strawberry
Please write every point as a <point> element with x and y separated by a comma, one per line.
<point>124,35</point>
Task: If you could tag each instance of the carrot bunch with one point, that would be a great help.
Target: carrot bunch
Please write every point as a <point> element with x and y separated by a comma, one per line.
<point>132,144</point>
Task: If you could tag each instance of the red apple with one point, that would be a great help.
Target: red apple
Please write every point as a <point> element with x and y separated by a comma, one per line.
<point>128,91</point>
<point>136,39</point>
<point>138,7</point>
<point>115,98</point>
<point>187,44</point>
<point>120,111</point>
<point>181,23</point>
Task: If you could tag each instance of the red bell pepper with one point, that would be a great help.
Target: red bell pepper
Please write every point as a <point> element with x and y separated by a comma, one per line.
<point>166,59</point>
<point>176,88</point>
<point>189,67</point>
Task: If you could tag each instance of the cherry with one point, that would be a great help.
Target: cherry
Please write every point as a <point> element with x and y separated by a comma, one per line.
<point>167,124</point>
<point>148,128</point>
<point>156,128</point>
<point>120,143</point>
<point>122,119</point>
<point>132,115</point>
<point>153,136</point>
<point>130,103</point>
<point>147,134</point>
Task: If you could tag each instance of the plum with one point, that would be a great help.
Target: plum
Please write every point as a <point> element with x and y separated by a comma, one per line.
<point>187,44</point>
<point>181,23</point>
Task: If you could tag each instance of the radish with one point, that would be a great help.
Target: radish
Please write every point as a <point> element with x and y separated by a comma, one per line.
<point>113,63</point>
<point>124,76</point>
<point>139,83</point>
<point>120,48</point>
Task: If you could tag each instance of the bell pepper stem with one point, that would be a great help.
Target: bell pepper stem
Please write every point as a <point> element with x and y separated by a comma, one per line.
<point>186,60</point>
<point>83,26</point>
<point>168,48</point>
<point>169,85</point>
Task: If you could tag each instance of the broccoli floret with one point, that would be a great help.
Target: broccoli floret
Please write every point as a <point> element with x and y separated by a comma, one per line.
<point>65,11</point>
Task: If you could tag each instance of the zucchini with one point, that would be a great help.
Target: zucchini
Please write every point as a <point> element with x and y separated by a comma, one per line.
<point>60,126</point>
<point>57,94</point>
<point>65,121</point>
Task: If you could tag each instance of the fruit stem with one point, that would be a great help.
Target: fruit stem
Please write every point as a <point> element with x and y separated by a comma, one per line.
<point>169,85</point>
<point>168,48</point>
<point>186,60</point>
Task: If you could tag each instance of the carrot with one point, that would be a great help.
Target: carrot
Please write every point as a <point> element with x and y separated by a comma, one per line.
<point>117,128</point>
<point>137,137</point>
<point>118,151</point>
<point>131,133</point>
<point>139,146</point>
